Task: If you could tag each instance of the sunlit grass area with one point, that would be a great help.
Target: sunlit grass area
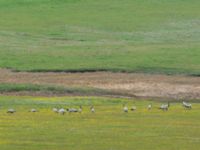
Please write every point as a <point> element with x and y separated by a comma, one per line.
<point>108,128</point>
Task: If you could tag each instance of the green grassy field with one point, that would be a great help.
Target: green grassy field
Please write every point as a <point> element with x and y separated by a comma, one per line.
<point>155,36</point>
<point>109,128</point>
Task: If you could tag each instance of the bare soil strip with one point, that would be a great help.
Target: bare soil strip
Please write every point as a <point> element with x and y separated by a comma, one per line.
<point>139,85</point>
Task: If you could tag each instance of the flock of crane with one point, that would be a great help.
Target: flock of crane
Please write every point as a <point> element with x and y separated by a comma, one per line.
<point>163,107</point>
<point>62,111</point>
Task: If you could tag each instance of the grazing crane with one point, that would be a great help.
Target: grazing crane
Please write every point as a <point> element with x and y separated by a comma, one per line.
<point>133,108</point>
<point>11,111</point>
<point>62,111</point>
<point>187,105</point>
<point>92,109</point>
<point>70,110</point>
<point>149,107</point>
<point>33,110</point>
<point>80,109</point>
<point>55,110</point>
<point>125,108</point>
<point>165,107</point>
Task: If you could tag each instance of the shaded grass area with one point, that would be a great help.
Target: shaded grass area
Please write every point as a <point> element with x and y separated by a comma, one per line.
<point>109,128</point>
<point>146,70</point>
<point>106,35</point>
<point>9,88</point>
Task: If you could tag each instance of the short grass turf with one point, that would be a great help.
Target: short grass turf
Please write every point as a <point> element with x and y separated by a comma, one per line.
<point>154,36</point>
<point>108,128</point>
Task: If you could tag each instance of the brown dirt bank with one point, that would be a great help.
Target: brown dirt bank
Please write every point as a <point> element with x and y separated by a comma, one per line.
<point>140,85</point>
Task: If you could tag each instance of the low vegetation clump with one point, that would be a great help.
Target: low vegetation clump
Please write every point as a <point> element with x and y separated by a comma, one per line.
<point>33,88</point>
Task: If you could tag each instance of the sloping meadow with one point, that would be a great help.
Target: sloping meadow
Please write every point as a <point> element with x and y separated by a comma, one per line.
<point>132,36</point>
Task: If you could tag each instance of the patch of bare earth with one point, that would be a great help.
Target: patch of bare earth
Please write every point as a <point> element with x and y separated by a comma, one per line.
<point>139,85</point>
